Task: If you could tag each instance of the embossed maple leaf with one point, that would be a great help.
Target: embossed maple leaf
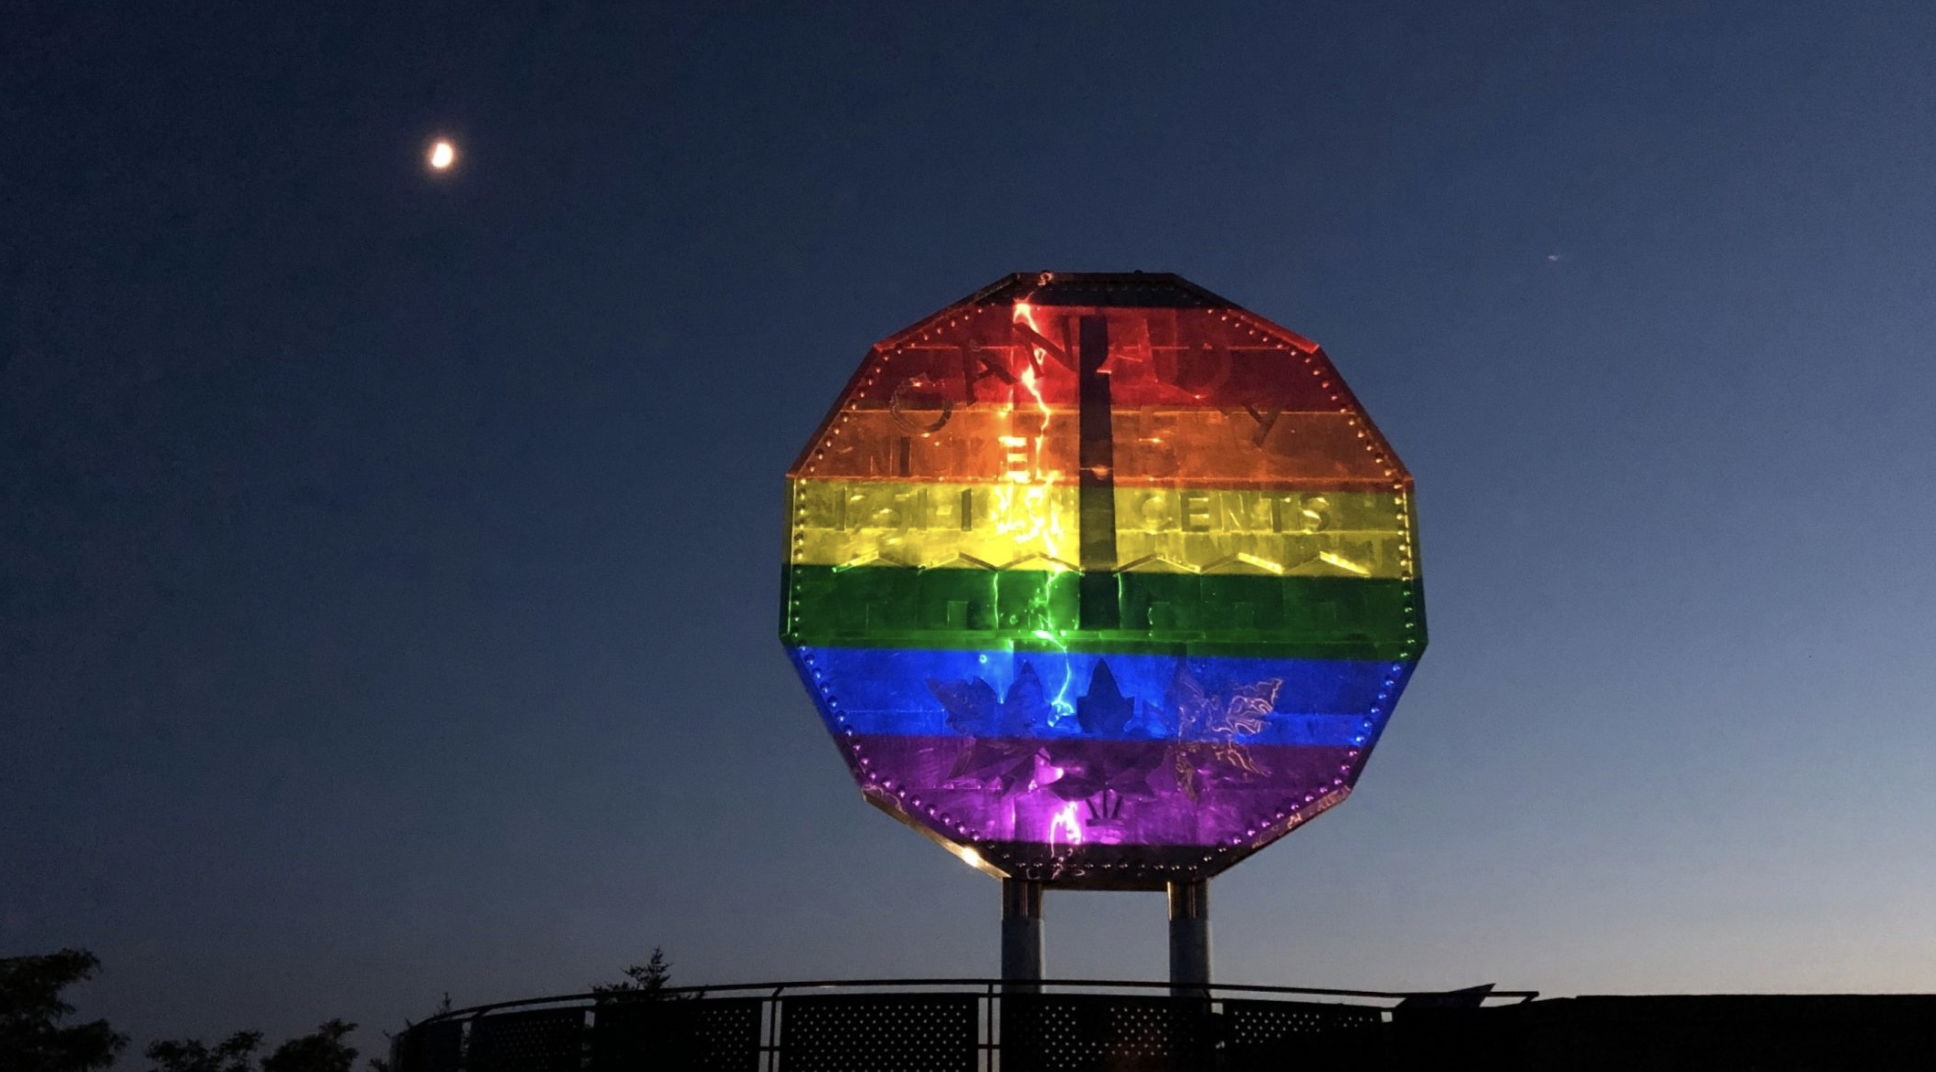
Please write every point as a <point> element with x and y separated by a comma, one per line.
<point>1088,765</point>
<point>1001,753</point>
<point>1208,724</point>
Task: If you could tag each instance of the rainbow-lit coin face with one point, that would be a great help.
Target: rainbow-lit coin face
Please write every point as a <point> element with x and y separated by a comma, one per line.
<point>1101,580</point>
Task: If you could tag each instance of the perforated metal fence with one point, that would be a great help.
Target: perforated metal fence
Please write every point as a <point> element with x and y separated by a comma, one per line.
<point>922,1025</point>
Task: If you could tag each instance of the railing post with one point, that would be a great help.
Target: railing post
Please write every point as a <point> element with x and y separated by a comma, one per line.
<point>1021,934</point>
<point>1190,939</point>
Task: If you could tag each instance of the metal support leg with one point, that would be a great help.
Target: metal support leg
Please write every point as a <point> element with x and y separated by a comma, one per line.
<point>1021,933</point>
<point>1190,939</point>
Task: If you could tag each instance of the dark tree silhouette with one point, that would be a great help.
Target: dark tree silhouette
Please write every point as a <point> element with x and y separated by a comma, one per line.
<point>233,1054</point>
<point>322,1051</point>
<point>642,982</point>
<point>31,1039</point>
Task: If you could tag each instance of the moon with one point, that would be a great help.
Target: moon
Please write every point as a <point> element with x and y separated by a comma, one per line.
<point>442,155</point>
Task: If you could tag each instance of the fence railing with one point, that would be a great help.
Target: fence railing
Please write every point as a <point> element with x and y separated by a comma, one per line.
<point>913,1025</point>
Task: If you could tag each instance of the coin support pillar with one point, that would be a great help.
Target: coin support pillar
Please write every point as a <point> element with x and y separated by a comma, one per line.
<point>1021,932</point>
<point>1190,939</point>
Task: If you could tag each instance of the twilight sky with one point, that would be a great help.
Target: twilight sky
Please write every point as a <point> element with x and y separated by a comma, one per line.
<point>389,563</point>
